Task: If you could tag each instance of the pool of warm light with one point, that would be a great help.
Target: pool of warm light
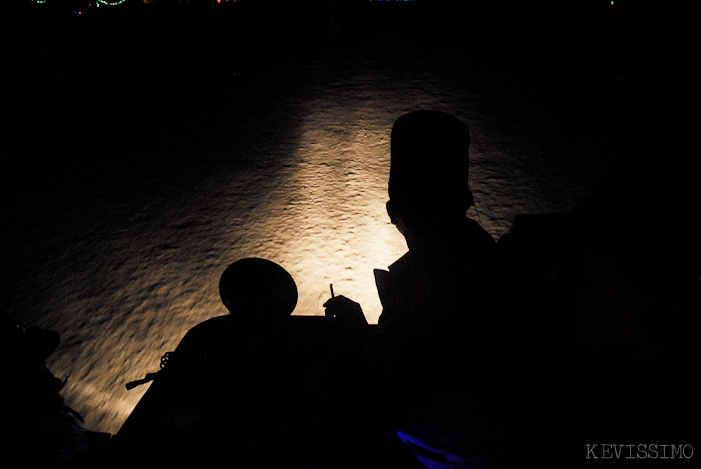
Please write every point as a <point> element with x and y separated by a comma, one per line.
<point>300,181</point>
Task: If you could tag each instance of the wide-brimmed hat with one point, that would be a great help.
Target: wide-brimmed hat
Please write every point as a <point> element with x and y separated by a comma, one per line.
<point>260,286</point>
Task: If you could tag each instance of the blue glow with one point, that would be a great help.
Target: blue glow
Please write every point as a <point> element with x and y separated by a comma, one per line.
<point>435,458</point>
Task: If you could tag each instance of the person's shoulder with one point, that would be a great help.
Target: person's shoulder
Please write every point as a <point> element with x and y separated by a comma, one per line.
<point>210,324</point>
<point>480,244</point>
<point>476,233</point>
<point>203,331</point>
<point>401,264</point>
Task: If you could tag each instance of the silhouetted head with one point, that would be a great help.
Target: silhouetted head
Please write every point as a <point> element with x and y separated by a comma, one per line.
<point>429,168</point>
<point>258,287</point>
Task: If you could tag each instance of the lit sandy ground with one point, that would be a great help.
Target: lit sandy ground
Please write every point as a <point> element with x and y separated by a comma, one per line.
<point>300,181</point>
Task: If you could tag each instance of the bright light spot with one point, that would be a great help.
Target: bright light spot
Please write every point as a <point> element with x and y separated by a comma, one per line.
<point>332,199</point>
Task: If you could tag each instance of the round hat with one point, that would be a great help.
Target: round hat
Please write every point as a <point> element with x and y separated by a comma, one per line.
<point>258,286</point>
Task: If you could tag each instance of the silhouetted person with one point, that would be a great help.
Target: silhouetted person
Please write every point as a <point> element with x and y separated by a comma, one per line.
<point>611,294</point>
<point>40,430</point>
<point>221,395</point>
<point>438,298</point>
<point>253,388</point>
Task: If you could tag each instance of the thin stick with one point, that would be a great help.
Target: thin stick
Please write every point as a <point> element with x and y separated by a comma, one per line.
<point>331,287</point>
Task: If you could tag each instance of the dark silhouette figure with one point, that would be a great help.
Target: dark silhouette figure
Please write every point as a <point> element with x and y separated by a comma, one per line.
<point>40,430</point>
<point>219,395</point>
<point>609,327</point>
<point>438,299</point>
<point>253,388</point>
